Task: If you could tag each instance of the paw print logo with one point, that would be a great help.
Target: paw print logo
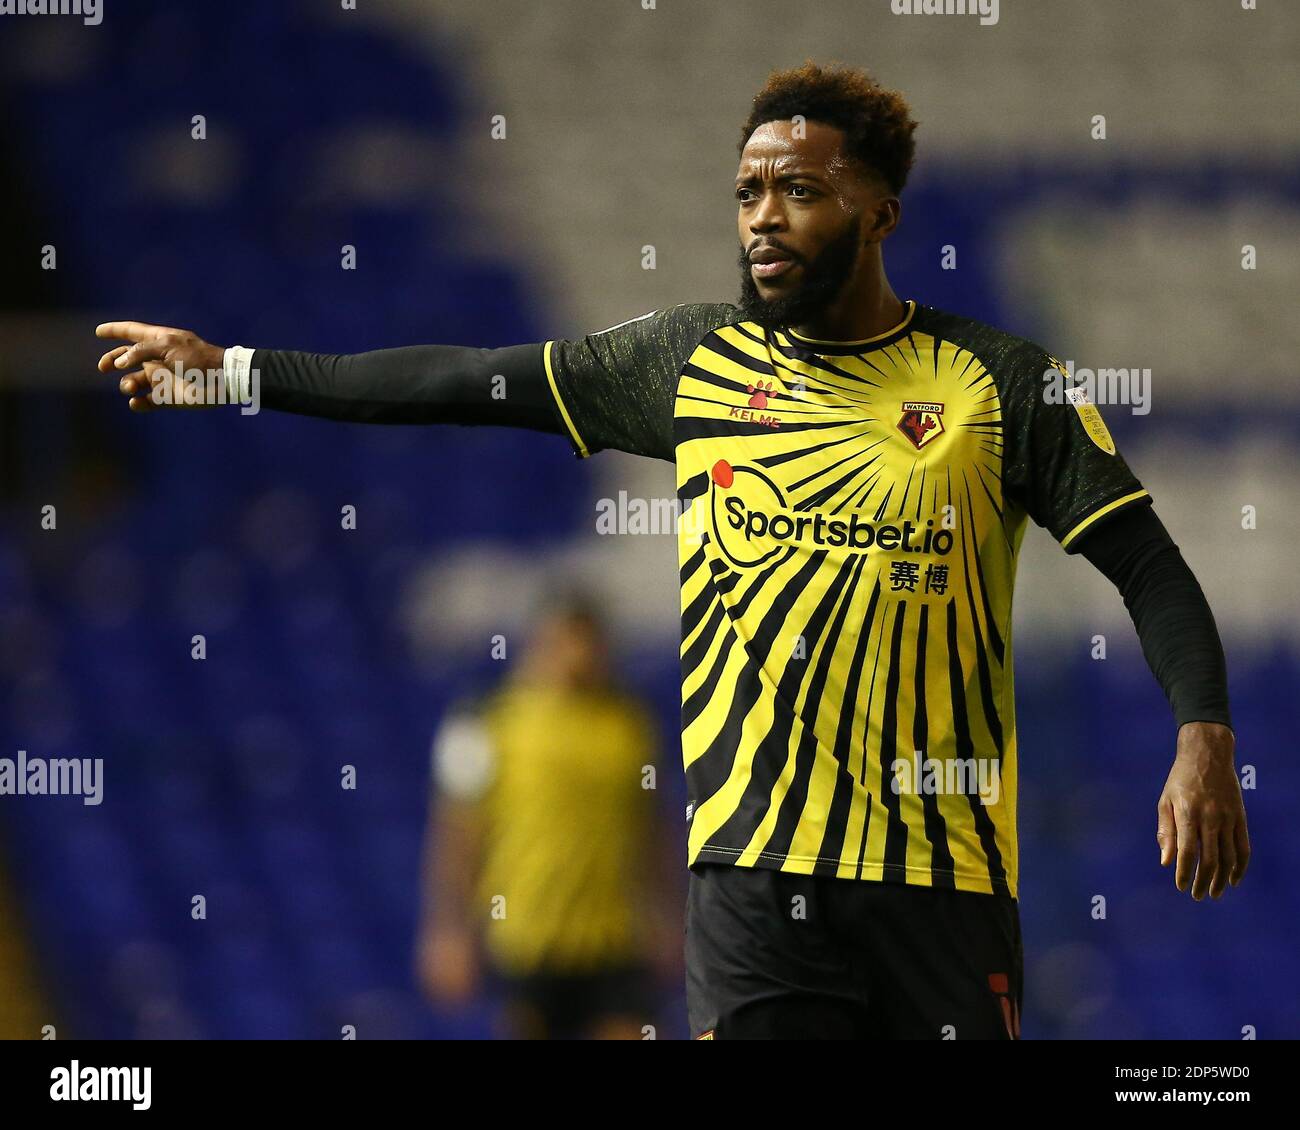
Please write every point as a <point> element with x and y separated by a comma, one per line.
<point>759,394</point>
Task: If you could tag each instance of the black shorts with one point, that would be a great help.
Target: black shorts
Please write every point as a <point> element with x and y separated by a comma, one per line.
<point>772,955</point>
<point>568,1006</point>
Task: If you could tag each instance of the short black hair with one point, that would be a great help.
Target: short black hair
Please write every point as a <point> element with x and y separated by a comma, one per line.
<point>573,604</point>
<point>876,122</point>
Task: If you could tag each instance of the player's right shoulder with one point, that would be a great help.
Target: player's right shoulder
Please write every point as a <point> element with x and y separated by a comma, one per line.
<point>615,387</point>
<point>701,318</point>
<point>686,322</point>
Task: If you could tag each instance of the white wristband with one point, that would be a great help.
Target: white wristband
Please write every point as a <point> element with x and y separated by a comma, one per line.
<point>236,366</point>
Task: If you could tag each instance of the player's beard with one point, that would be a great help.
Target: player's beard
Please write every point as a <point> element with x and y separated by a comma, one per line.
<point>823,280</point>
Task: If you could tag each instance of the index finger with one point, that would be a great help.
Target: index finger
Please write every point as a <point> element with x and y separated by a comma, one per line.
<point>132,331</point>
<point>1166,837</point>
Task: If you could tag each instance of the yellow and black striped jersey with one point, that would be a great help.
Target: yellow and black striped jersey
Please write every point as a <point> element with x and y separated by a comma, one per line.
<point>850,518</point>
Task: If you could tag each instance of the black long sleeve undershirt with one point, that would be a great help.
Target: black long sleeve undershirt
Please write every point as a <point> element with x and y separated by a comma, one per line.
<point>415,384</point>
<point>431,384</point>
<point>1173,620</point>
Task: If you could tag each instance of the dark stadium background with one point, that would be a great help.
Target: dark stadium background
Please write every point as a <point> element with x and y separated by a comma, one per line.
<point>329,647</point>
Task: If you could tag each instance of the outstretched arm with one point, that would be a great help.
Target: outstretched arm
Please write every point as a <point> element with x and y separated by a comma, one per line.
<point>1201,806</point>
<point>613,389</point>
<point>419,384</point>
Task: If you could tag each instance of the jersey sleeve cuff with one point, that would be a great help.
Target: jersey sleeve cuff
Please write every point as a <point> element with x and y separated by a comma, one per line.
<point>575,439</point>
<point>1083,525</point>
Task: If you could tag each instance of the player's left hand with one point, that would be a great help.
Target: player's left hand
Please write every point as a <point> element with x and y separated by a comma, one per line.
<point>1200,813</point>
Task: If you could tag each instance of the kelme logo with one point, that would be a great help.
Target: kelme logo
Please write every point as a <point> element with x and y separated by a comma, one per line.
<point>761,394</point>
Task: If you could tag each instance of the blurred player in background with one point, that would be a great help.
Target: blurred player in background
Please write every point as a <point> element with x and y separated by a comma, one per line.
<point>545,877</point>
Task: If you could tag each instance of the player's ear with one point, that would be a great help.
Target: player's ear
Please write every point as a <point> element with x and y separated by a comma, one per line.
<point>882,218</point>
